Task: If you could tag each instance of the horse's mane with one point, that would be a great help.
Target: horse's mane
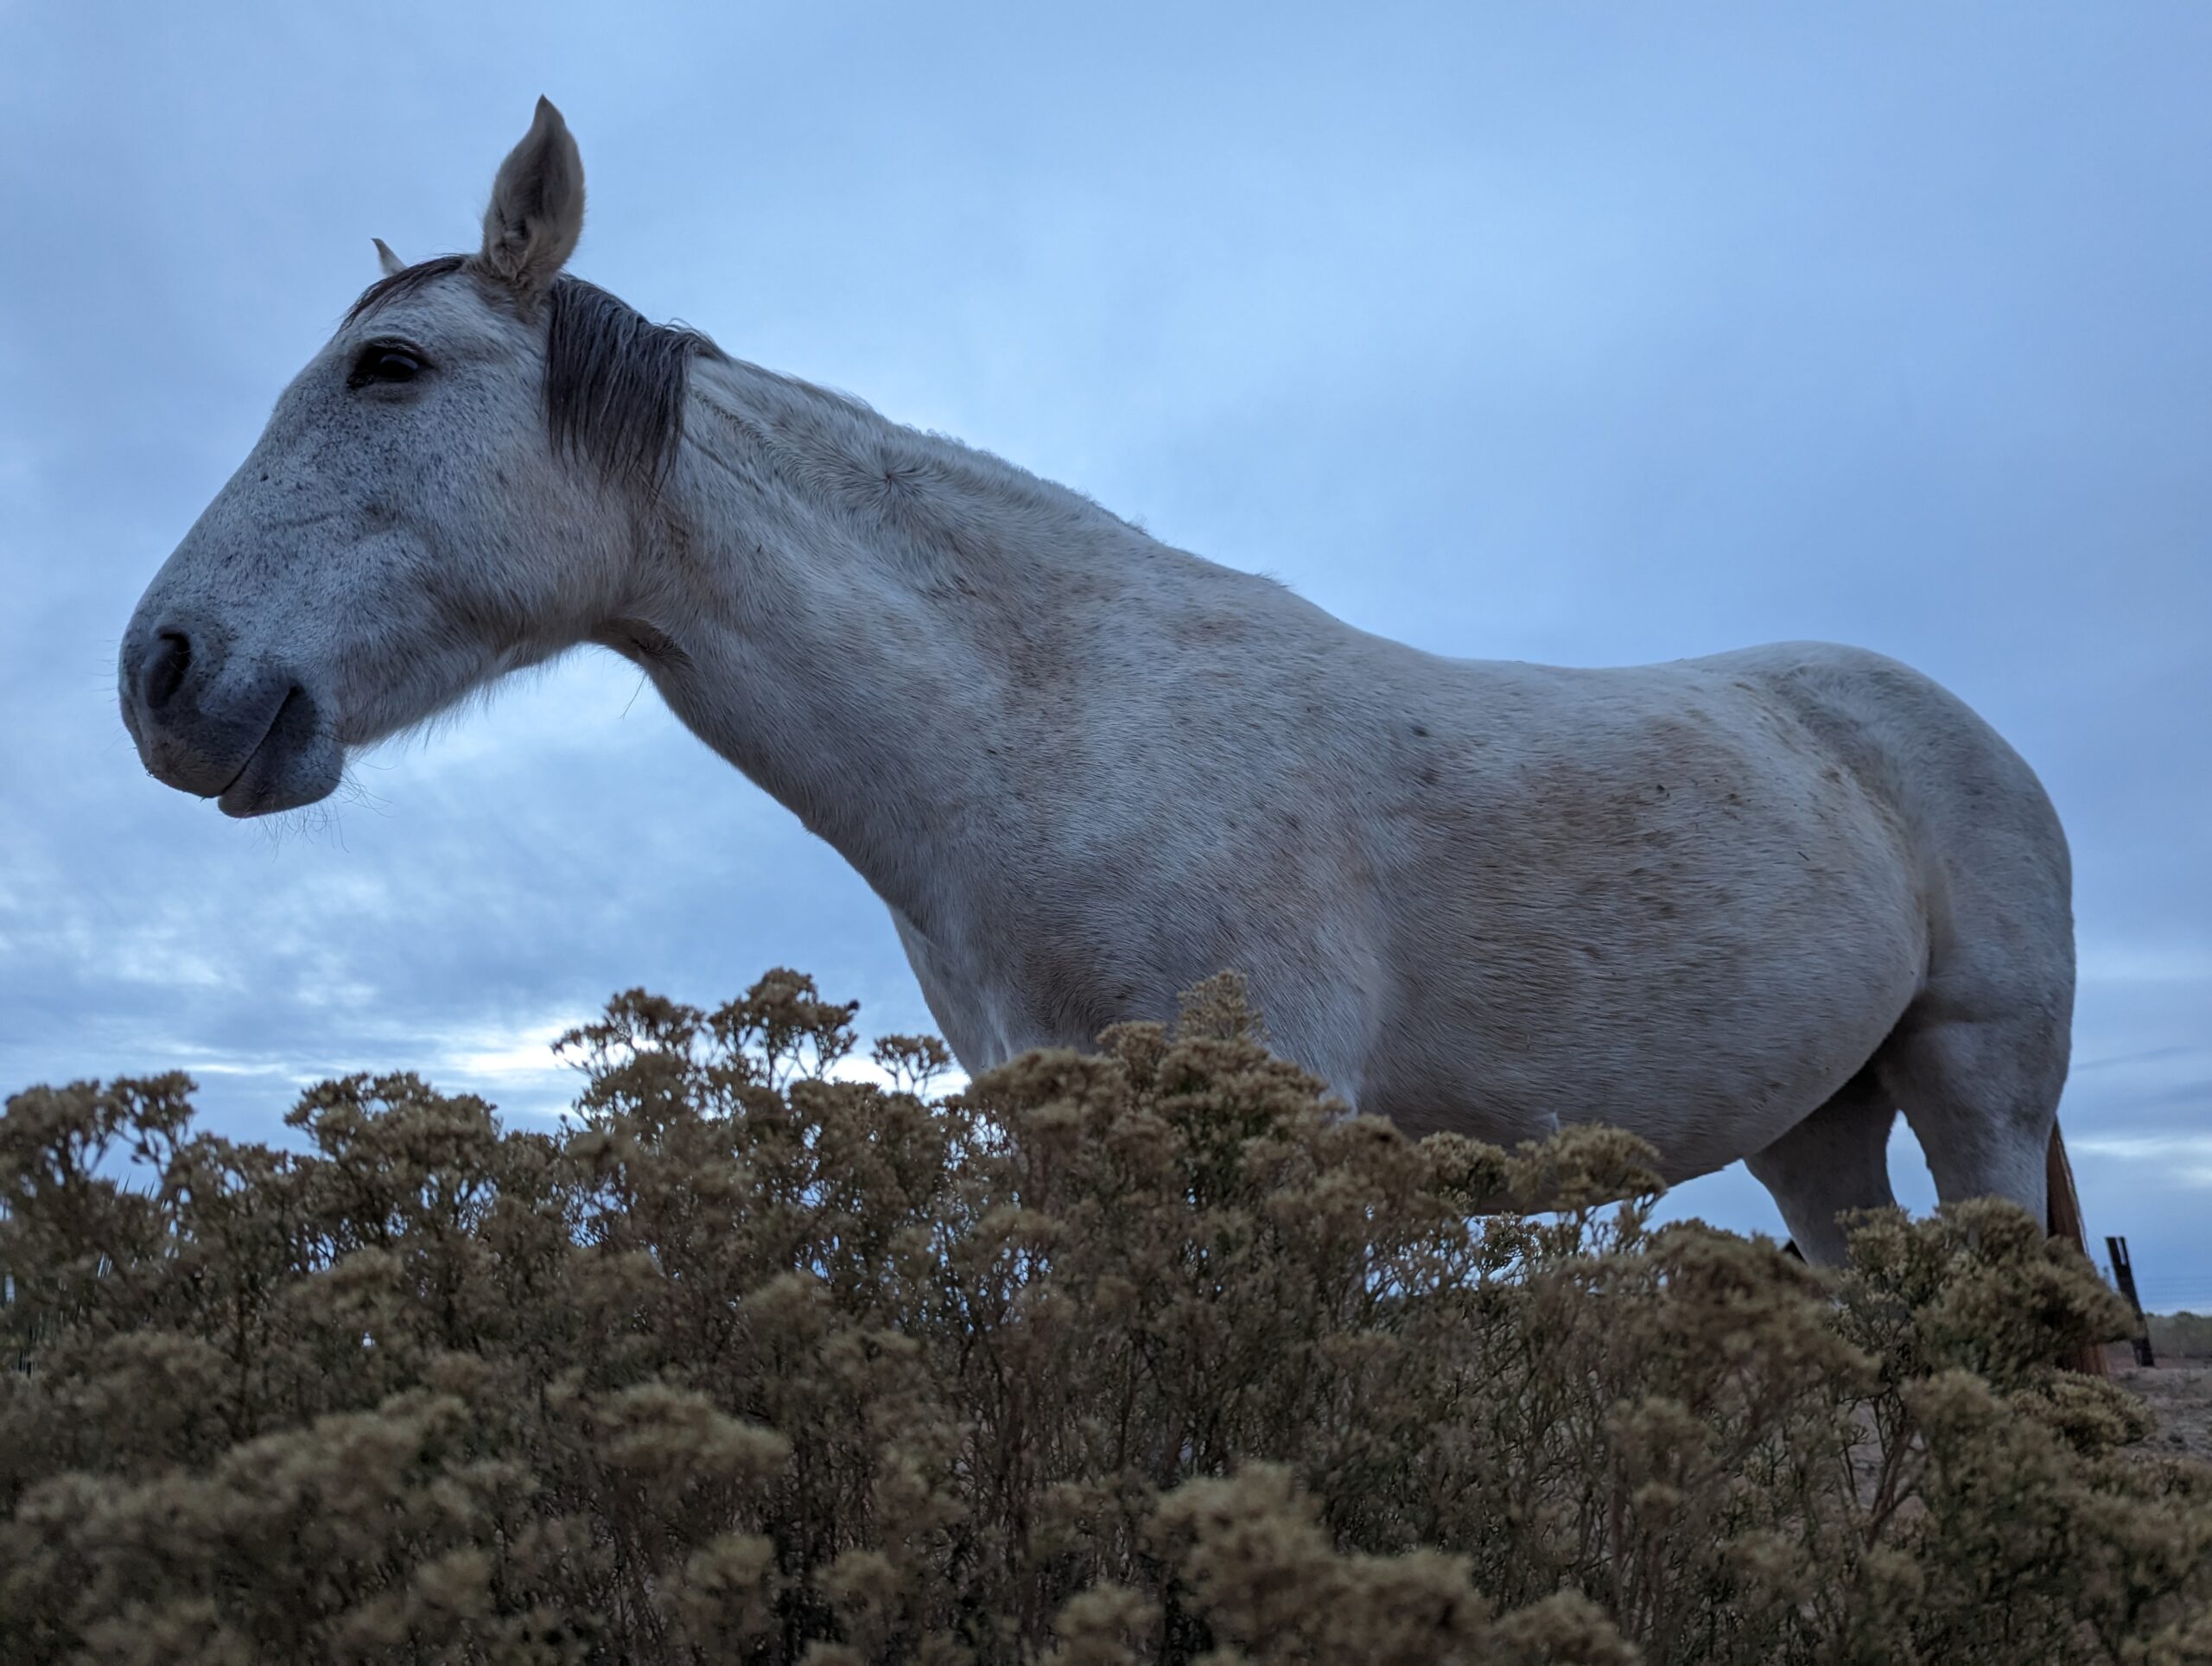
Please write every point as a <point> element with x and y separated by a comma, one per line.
<point>614,380</point>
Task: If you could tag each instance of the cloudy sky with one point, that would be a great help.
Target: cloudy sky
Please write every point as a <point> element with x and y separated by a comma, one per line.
<point>1589,334</point>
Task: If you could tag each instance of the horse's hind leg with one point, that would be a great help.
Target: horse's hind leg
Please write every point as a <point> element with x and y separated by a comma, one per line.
<point>1835,1160</point>
<point>1979,1084</point>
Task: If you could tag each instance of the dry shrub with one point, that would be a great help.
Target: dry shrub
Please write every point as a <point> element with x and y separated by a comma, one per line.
<point>1137,1356</point>
<point>2184,1335</point>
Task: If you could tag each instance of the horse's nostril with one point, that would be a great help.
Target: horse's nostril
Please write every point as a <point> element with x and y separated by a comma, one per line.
<point>165,668</point>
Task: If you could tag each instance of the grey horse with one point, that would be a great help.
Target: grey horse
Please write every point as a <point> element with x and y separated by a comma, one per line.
<point>1747,907</point>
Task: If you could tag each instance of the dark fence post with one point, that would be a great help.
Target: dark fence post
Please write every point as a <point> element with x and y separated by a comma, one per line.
<point>2123,1273</point>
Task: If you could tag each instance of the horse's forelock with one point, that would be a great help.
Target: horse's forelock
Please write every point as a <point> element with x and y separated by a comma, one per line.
<point>614,381</point>
<point>397,286</point>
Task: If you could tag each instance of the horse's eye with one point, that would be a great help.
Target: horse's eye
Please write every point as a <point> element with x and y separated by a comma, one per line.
<point>384,361</point>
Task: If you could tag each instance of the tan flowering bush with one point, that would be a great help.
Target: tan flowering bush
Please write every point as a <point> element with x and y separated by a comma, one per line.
<point>1138,1356</point>
<point>2184,1335</point>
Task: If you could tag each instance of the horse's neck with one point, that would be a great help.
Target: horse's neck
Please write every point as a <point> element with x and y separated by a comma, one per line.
<point>863,618</point>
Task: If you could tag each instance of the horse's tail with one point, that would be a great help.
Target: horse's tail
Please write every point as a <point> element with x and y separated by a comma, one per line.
<point>2064,1221</point>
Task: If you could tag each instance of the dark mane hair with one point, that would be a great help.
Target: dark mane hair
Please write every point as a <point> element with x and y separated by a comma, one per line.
<point>614,380</point>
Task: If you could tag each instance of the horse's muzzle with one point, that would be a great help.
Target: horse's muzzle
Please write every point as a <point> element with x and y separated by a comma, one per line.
<point>251,736</point>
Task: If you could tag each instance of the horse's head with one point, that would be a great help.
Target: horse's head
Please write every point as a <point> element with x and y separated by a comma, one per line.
<point>410,525</point>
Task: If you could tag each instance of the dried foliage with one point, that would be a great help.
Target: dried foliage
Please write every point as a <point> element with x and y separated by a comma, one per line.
<point>1142,1355</point>
<point>2184,1335</point>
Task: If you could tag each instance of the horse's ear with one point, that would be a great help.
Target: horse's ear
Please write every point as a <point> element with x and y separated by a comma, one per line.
<point>537,207</point>
<point>391,263</point>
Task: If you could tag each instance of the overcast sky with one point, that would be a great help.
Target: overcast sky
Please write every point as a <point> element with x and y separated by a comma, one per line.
<point>1591,333</point>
